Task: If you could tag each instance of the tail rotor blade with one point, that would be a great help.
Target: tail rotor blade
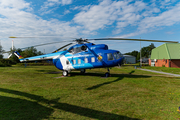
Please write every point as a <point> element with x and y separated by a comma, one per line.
<point>9,55</point>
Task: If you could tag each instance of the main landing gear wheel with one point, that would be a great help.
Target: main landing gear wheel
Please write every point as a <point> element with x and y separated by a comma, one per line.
<point>65,73</point>
<point>108,73</point>
<point>83,71</point>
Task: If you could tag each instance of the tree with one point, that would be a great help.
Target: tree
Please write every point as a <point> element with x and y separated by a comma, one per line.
<point>133,53</point>
<point>1,52</point>
<point>29,52</point>
<point>146,51</point>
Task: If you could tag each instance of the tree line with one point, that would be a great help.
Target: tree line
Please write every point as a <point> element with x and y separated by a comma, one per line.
<point>145,52</point>
<point>29,52</point>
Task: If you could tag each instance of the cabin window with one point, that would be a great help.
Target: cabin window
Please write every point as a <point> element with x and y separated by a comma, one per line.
<point>93,59</point>
<point>110,56</point>
<point>74,61</point>
<point>86,60</point>
<point>67,62</point>
<point>79,61</point>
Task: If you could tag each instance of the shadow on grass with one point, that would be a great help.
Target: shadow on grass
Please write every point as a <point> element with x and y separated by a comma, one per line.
<point>49,71</point>
<point>20,109</point>
<point>15,108</point>
<point>120,77</point>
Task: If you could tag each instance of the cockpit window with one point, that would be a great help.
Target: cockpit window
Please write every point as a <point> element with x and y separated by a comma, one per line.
<point>75,50</point>
<point>71,50</point>
<point>119,55</point>
<point>115,55</point>
<point>110,56</point>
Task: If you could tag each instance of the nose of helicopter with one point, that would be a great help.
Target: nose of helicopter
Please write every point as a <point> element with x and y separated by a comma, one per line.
<point>120,62</point>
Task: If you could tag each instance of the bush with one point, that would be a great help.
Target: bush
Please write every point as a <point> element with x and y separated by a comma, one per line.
<point>5,63</point>
<point>145,64</point>
<point>34,64</point>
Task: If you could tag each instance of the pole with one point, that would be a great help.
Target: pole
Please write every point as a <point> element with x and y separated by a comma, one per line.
<point>140,55</point>
<point>12,44</point>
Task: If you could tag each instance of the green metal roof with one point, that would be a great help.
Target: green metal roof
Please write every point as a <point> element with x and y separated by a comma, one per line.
<point>166,51</point>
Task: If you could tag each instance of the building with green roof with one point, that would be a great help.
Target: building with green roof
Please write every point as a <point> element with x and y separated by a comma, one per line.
<point>167,55</point>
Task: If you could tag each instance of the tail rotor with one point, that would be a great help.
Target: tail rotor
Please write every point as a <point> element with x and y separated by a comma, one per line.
<point>12,50</point>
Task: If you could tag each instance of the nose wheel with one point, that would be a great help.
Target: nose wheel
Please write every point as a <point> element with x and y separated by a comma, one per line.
<point>65,73</point>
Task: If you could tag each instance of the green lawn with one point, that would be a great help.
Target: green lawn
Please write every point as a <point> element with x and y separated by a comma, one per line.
<point>39,92</point>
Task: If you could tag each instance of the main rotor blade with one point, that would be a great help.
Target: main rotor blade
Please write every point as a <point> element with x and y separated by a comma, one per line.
<point>20,37</point>
<point>135,40</point>
<point>42,37</point>
<point>62,47</point>
<point>36,46</point>
<point>43,44</point>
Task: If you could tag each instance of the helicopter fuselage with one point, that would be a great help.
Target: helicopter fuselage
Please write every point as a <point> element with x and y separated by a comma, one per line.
<point>81,57</point>
<point>88,56</point>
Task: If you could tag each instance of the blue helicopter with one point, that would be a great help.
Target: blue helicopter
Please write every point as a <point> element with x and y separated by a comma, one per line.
<point>84,55</point>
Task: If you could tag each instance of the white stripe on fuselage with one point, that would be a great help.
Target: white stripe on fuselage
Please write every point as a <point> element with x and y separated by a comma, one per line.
<point>63,61</point>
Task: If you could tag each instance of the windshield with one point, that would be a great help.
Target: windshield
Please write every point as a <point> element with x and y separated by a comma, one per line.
<point>110,56</point>
<point>118,55</point>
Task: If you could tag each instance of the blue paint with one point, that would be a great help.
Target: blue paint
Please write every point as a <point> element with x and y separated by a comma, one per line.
<point>79,52</point>
<point>57,63</point>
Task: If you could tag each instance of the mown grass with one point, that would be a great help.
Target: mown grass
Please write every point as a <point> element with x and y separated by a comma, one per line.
<point>39,92</point>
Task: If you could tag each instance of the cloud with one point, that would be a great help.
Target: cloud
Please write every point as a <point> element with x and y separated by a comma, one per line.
<point>151,23</point>
<point>50,5</point>
<point>15,20</point>
<point>19,4</point>
<point>120,15</point>
<point>166,18</point>
<point>107,12</point>
<point>67,12</point>
<point>153,18</point>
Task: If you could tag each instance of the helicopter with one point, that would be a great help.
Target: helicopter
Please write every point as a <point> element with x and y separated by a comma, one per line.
<point>83,55</point>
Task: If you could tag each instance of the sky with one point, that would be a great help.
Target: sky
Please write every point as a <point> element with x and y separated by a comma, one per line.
<point>66,20</point>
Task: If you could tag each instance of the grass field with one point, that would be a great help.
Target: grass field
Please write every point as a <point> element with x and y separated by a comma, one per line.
<point>39,92</point>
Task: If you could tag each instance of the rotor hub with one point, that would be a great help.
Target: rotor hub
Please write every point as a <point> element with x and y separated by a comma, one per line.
<point>80,40</point>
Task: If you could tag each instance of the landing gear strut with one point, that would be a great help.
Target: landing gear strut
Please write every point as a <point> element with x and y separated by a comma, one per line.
<point>65,73</point>
<point>107,74</point>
